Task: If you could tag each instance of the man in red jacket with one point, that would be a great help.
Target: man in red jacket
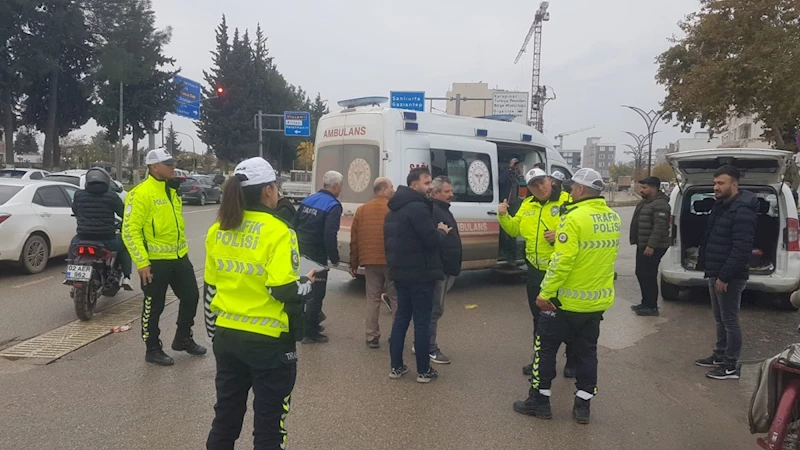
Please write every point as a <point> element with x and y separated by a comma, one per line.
<point>366,249</point>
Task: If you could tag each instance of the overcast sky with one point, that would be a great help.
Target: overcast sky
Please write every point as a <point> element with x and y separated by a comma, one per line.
<point>596,55</point>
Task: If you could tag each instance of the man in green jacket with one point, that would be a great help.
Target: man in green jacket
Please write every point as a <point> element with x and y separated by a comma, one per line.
<point>154,232</point>
<point>650,235</point>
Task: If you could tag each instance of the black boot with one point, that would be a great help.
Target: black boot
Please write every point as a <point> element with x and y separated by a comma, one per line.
<point>184,343</point>
<point>527,370</point>
<point>536,405</point>
<point>581,410</point>
<point>155,354</point>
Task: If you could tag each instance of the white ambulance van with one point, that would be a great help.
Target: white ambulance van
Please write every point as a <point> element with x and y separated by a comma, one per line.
<point>365,141</point>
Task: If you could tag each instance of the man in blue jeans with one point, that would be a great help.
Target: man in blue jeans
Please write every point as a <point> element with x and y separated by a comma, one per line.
<point>725,258</point>
<point>412,241</point>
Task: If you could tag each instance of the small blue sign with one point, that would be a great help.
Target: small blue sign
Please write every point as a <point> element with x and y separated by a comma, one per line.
<point>296,123</point>
<point>412,101</point>
<point>189,98</point>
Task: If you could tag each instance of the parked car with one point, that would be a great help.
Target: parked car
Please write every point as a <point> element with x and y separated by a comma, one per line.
<point>36,221</point>
<point>24,173</point>
<point>77,177</point>
<point>200,189</point>
<point>775,262</point>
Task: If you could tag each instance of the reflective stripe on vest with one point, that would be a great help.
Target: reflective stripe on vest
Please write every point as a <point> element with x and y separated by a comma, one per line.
<point>603,243</point>
<point>578,294</point>
<point>165,248</point>
<point>229,265</point>
<point>264,321</point>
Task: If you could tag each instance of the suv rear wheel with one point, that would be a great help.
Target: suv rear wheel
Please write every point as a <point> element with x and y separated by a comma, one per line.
<point>669,292</point>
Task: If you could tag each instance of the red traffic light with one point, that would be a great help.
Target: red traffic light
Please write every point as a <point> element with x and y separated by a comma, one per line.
<point>220,90</point>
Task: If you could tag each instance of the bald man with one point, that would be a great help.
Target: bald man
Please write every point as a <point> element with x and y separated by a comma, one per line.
<point>366,249</point>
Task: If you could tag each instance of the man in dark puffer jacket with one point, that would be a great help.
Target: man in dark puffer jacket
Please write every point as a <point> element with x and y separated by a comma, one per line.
<point>650,235</point>
<point>412,241</point>
<point>94,209</point>
<point>725,257</point>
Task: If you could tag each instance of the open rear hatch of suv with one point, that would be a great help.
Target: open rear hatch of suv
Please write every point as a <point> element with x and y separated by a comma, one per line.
<point>762,174</point>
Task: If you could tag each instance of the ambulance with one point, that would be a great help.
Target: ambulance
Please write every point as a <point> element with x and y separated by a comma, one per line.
<point>365,141</point>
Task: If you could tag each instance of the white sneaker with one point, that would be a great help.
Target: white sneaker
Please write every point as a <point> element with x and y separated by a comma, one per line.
<point>126,282</point>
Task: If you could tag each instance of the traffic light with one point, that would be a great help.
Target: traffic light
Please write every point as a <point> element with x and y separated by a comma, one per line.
<point>220,90</point>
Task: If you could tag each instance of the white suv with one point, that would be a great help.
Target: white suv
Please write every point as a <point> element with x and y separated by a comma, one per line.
<point>775,262</point>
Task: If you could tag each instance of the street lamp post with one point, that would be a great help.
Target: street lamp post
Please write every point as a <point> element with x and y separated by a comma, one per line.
<point>638,149</point>
<point>651,119</point>
<point>194,153</point>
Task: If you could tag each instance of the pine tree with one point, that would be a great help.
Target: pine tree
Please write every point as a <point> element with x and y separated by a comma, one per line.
<point>25,142</point>
<point>132,53</point>
<point>173,144</point>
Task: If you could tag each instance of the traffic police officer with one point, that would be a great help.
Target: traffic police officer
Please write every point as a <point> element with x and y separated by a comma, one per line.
<point>536,221</point>
<point>254,307</point>
<point>578,288</point>
<point>154,233</point>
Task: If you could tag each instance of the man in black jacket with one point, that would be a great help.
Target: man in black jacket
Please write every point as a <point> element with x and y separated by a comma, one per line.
<point>650,235</point>
<point>441,196</point>
<point>317,226</point>
<point>94,209</point>
<point>725,257</point>
<point>412,241</point>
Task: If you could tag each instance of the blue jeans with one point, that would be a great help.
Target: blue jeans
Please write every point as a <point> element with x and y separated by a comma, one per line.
<point>726,315</point>
<point>414,300</point>
<point>123,257</point>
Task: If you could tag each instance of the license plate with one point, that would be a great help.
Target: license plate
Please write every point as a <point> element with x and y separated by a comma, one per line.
<point>79,273</point>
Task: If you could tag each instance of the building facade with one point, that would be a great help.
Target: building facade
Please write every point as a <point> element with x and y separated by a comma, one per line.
<point>743,132</point>
<point>572,157</point>
<point>599,156</point>
<point>701,141</point>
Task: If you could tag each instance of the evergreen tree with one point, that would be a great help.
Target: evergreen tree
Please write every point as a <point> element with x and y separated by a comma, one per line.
<point>57,56</point>
<point>317,109</point>
<point>14,18</point>
<point>132,54</point>
<point>25,142</point>
<point>173,144</point>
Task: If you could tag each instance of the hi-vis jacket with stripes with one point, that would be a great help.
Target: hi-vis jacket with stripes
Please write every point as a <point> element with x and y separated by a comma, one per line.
<point>581,273</point>
<point>251,276</point>
<point>153,227</point>
<point>531,222</point>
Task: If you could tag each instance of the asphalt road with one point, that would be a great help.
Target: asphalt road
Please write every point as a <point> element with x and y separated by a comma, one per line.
<point>651,395</point>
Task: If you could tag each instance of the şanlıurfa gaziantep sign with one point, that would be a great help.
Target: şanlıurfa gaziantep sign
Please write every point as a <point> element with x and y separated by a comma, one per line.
<point>510,103</point>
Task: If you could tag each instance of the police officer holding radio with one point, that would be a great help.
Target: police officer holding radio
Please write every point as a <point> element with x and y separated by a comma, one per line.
<point>577,289</point>
<point>254,302</point>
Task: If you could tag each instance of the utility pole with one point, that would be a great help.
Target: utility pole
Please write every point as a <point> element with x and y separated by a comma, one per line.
<point>121,133</point>
<point>260,134</point>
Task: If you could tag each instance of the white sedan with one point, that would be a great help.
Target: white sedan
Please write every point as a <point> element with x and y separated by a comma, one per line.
<point>24,173</point>
<point>36,221</point>
<point>77,177</point>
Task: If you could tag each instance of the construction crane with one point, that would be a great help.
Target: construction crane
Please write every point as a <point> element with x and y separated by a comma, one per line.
<point>538,92</point>
<point>560,137</point>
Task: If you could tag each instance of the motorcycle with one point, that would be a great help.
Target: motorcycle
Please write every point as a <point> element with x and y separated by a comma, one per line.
<point>92,272</point>
<point>782,407</point>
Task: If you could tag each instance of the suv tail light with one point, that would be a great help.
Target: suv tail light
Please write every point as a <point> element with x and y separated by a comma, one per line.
<point>4,217</point>
<point>792,243</point>
<point>194,188</point>
<point>673,230</point>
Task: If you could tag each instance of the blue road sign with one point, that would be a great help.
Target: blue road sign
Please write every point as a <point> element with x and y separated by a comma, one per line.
<point>187,103</point>
<point>413,101</point>
<point>297,123</point>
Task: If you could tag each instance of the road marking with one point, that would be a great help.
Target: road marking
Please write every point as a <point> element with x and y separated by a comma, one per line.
<point>199,211</point>
<point>63,340</point>
<point>31,283</point>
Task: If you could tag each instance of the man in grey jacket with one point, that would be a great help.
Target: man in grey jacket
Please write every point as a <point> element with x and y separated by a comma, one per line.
<point>650,235</point>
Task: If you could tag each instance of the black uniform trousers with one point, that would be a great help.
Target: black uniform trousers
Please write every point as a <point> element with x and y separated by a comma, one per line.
<point>534,286</point>
<point>267,365</point>
<point>179,275</point>
<point>580,329</point>
<point>314,304</point>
